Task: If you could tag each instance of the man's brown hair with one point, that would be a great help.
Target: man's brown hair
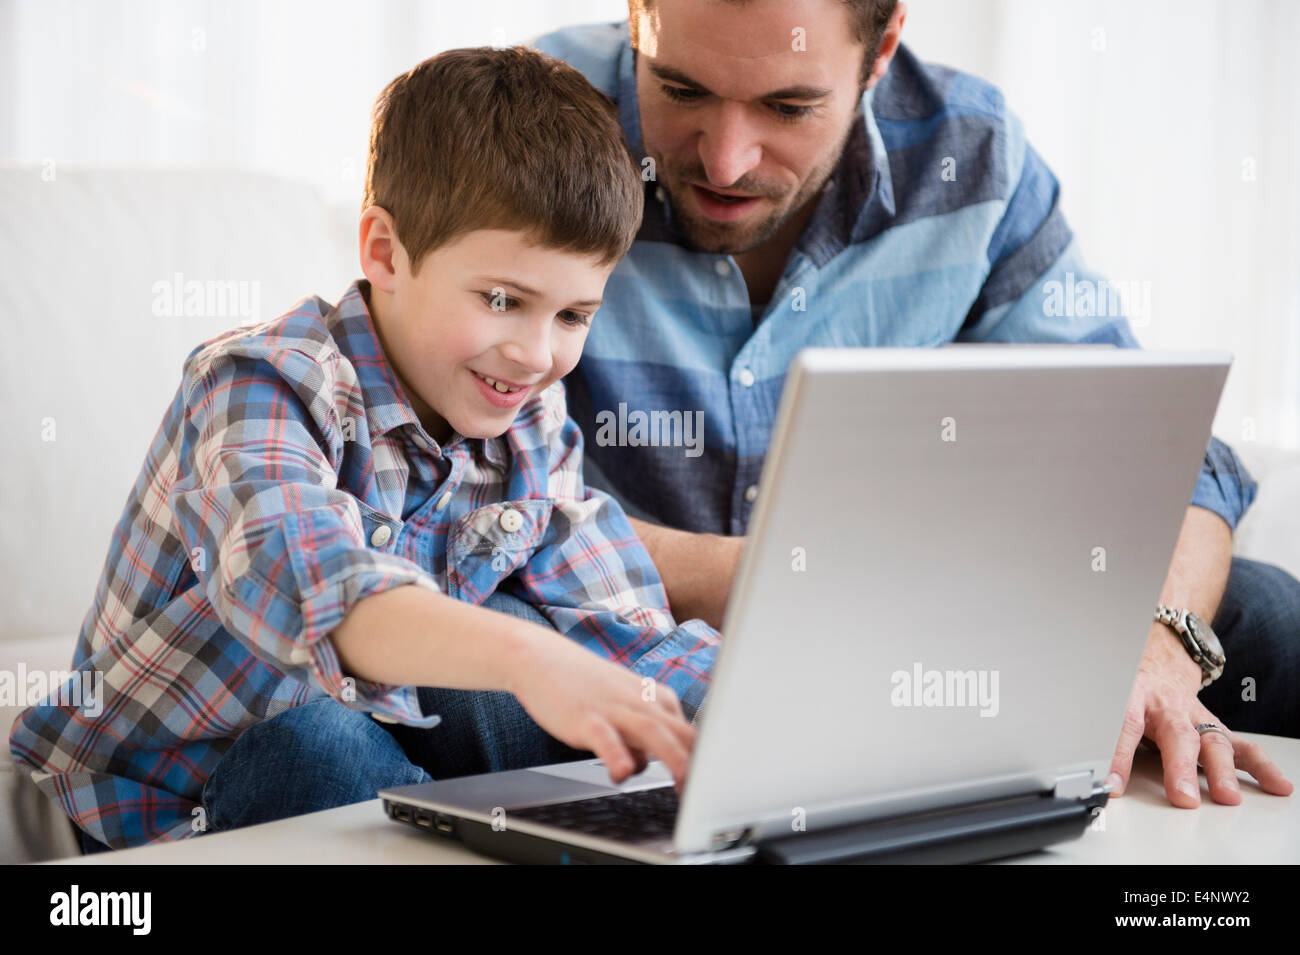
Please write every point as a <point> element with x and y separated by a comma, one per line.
<point>489,138</point>
<point>870,17</point>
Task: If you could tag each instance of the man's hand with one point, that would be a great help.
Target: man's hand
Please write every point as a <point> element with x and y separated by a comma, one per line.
<point>591,703</point>
<point>697,569</point>
<point>1164,707</point>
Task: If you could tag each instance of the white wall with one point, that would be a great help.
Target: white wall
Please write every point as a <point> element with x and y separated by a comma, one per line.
<point>1154,115</point>
<point>283,86</point>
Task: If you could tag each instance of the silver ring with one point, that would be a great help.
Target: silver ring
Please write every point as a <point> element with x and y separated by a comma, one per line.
<point>1204,728</point>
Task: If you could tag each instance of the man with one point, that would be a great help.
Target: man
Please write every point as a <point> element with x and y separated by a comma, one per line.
<point>810,182</point>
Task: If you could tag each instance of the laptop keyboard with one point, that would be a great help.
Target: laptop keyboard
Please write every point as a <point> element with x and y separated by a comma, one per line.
<point>628,817</point>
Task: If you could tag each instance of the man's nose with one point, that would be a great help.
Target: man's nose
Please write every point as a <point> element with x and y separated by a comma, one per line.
<point>729,145</point>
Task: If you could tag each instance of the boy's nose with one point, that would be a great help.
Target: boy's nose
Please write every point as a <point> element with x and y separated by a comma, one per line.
<point>529,354</point>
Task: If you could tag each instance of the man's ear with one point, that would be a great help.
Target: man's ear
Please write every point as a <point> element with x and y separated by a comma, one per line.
<point>381,251</point>
<point>888,44</point>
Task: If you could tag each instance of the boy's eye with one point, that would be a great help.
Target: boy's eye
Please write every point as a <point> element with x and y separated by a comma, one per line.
<point>570,317</point>
<point>498,300</point>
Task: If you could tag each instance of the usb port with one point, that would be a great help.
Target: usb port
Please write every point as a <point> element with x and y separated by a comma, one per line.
<point>424,818</point>
<point>402,813</point>
<point>443,823</point>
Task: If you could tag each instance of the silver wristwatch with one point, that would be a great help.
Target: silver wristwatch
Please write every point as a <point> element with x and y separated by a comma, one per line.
<point>1198,638</point>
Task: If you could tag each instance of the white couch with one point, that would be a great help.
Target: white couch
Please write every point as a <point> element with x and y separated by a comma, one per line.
<point>83,345</point>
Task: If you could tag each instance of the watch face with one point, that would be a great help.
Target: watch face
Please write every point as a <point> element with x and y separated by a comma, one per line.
<point>1204,634</point>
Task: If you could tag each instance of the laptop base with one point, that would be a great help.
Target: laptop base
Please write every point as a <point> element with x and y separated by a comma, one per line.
<point>979,832</point>
<point>507,844</point>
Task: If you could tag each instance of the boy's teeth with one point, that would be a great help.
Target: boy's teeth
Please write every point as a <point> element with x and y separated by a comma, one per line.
<point>497,385</point>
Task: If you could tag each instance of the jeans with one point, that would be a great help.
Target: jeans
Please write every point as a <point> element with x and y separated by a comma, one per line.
<point>322,754</point>
<point>1258,623</point>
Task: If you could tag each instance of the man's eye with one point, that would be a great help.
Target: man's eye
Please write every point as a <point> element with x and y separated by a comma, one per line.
<point>680,94</point>
<point>791,111</point>
<point>498,301</point>
<point>570,317</point>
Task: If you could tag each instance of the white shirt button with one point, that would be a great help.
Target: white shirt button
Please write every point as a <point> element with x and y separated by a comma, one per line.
<point>746,377</point>
<point>511,520</point>
<point>751,493</point>
<point>444,500</point>
<point>380,535</point>
<point>722,267</point>
<point>659,193</point>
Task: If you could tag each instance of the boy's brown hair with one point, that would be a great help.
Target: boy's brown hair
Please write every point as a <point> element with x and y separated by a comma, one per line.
<point>487,138</point>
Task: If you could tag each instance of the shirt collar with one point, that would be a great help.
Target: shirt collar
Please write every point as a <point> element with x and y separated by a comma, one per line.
<point>352,328</point>
<point>857,202</point>
<point>629,110</point>
<point>859,196</point>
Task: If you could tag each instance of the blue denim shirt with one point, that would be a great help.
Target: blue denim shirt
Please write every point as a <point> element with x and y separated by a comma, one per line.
<point>939,224</point>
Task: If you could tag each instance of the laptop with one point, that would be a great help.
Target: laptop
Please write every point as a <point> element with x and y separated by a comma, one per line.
<point>951,570</point>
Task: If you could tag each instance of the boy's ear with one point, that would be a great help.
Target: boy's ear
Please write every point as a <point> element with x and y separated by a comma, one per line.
<point>381,251</point>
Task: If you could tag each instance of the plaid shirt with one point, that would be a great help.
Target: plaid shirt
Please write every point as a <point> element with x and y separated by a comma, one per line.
<point>288,480</point>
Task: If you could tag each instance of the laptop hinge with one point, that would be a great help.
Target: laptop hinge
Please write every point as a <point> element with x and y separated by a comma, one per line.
<point>728,838</point>
<point>1074,785</point>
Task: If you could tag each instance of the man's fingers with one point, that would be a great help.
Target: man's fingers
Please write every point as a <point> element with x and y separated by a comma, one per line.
<point>1179,748</point>
<point>1217,759</point>
<point>1252,758</point>
<point>1130,735</point>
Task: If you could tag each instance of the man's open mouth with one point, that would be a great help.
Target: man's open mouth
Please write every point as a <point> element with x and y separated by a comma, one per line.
<point>721,206</point>
<point>724,197</point>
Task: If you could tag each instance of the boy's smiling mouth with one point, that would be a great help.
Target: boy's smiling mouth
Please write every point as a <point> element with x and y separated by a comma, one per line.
<point>500,393</point>
<point>500,383</point>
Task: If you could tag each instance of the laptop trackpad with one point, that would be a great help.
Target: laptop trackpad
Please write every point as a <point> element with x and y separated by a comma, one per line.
<point>594,771</point>
<point>559,782</point>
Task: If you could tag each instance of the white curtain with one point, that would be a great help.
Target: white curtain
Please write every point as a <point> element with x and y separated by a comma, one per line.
<point>1174,129</point>
<point>1173,126</point>
<point>282,86</point>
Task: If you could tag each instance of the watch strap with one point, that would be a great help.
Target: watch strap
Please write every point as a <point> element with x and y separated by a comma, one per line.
<point>1176,620</point>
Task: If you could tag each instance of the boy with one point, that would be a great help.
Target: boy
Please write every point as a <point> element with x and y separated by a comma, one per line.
<point>260,654</point>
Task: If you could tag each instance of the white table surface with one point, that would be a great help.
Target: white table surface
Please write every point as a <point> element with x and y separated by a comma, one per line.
<point>1139,827</point>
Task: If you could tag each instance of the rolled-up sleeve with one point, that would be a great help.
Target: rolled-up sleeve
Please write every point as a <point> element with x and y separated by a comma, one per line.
<point>593,579</point>
<point>279,549</point>
<point>1224,485</point>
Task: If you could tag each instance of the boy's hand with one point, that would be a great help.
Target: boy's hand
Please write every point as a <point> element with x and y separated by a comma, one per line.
<point>593,704</point>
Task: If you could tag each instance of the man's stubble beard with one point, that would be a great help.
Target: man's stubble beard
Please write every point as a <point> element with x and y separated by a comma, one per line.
<point>723,239</point>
